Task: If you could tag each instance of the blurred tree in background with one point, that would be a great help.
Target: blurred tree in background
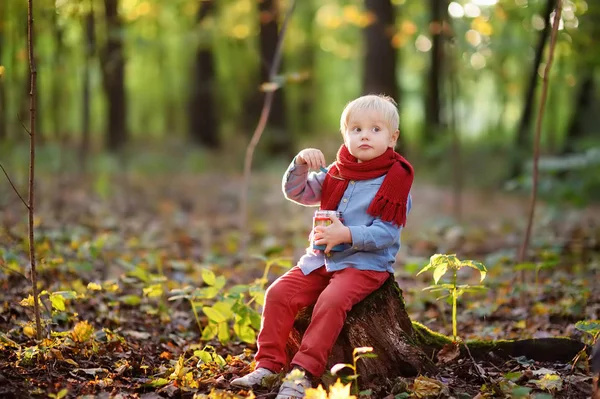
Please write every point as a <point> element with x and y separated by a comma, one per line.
<point>131,74</point>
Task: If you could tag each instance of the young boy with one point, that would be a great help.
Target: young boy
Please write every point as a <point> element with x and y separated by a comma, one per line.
<point>370,184</point>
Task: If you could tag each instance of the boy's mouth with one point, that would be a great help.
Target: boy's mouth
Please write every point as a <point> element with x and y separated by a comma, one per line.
<point>364,146</point>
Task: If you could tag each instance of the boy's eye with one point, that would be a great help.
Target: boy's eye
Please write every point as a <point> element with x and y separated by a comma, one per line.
<point>376,129</point>
<point>357,129</point>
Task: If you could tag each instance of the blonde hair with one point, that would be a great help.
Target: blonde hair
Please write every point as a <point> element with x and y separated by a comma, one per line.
<point>372,102</point>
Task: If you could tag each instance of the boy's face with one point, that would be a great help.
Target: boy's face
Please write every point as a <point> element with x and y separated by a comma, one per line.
<point>367,135</point>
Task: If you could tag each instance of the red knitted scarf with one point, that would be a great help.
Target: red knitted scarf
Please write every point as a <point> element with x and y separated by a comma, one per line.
<point>390,200</point>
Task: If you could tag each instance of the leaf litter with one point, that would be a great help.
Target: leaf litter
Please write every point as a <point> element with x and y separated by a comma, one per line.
<point>132,279</point>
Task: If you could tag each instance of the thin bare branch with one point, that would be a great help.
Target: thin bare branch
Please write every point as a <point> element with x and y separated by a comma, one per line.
<point>23,125</point>
<point>13,271</point>
<point>260,127</point>
<point>13,186</point>
<point>538,132</point>
<point>32,116</point>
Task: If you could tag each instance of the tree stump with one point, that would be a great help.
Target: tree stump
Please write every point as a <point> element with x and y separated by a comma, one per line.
<point>381,322</point>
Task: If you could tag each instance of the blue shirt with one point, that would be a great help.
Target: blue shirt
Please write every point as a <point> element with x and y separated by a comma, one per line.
<point>375,243</point>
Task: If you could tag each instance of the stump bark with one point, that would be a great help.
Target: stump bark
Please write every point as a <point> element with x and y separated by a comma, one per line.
<point>379,321</point>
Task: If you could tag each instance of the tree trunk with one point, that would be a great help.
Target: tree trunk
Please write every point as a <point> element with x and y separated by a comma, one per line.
<point>523,140</point>
<point>398,352</point>
<point>3,113</point>
<point>58,81</point>
<point>406,349</point>
<point>277,141</point>
<point>583,117</point>
<point>203,122</point>
<point>307,66</point>
<point>379,75</point>
<point>433,102</point>
<point>89,52</point>
<point>113,72</point>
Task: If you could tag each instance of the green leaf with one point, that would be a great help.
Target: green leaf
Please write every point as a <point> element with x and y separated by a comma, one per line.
<point>131,300</point>
<point>477,266</point>
<point>525,266</point>
<point>223,334</point>
<point>213,314</point>
<point>209,276</point>
<point>58,302</point>
<point>439,272</point>
<point>210,331</point>
<point>425,268</point>
<point>588,326</point>
<point>206,292</point>
<point>66,294</point>
<point>224,308</point>
<point>141,274</point>
<point>245,332</point>
<point>549,382</point>
<point>439,287</point>
<point>367,356</point>
<point>220,282</point>
<point>61,394</point>
<point>255,319</point>
<point>159,382</point>
<point>520,392</point>
<point>204,356</point>
<point>238,289</point>
<point>259,297</point>
<point>154,290</point>
<point>513,376</point>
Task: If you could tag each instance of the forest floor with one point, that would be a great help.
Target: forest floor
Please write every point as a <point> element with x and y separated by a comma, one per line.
<point>133,268</point>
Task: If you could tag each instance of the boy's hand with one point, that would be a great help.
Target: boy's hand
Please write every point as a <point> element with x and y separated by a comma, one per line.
<point>311,156</point>
<point>332,235</point>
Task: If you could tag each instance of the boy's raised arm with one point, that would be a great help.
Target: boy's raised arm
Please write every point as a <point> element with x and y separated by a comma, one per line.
<point>302,187</point>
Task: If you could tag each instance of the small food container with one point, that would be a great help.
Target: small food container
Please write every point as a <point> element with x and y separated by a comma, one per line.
<point>321,218</point>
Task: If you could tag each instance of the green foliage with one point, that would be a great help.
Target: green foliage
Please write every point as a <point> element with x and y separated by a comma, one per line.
<point>357,353</point>
<point>234,308</point>
<point>591,327</point>
<point>440,264</point>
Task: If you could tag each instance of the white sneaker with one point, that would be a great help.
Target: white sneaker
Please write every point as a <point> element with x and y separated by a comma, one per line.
<point>294,386</point>
<point>254,379</point>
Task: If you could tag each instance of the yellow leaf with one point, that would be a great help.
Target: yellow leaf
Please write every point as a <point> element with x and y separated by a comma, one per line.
<point>94,287</point>
<point>179,370</point>
<point>424,387</point>
<point>540,309</point>
<point>316,393</point>
<point>27,301</point>
<point>111,286</point>
<point>82,331</point>
<point>340,391</point>
<point>29,331</point>
<point>2,70</point>
<point>521,324</point>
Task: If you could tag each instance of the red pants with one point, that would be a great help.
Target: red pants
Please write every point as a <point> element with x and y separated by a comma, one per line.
<point>333,293</point>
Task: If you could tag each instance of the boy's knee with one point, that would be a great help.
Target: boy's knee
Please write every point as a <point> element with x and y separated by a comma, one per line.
<point>277,293</point>
<point>336,302</point>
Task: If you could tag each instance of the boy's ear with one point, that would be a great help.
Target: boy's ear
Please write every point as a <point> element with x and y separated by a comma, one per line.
<point>394,138</point>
